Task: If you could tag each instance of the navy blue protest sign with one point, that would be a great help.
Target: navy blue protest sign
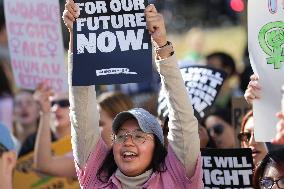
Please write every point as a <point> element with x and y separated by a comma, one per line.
<point>227,168</point>
<point>203,85</point>
<point>111,43</point>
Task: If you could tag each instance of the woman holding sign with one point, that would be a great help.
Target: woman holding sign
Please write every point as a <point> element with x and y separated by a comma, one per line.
<point>138,158</point>
<point>246,137</point>
<point>253,92</point>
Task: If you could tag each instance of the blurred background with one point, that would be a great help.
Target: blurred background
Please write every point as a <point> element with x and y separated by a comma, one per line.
<point>207,25</point>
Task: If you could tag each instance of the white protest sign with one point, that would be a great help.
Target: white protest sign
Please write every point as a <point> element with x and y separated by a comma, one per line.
<point>266,40</point>
<point>35,43</point>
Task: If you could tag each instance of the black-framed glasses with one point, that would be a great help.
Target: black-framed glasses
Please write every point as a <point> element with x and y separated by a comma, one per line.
<point>138,137</point>
<point>244,136</point>
<point>2,149</point>
<point>218,129</point>
<point>268,182</point>
<point>64,103</point>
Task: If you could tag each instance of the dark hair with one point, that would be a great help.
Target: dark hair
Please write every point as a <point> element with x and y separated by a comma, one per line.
<point>276,156</point>
<point>223,113</point>
<point>226,60</point>
<point>5,85</point>
<point>109,166</point>
<point>245,119</point>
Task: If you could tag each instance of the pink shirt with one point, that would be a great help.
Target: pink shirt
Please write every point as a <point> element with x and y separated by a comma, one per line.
<point>173,178</point>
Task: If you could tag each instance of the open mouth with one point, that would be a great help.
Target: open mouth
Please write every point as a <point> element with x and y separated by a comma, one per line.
<point>255,152</point>
<point>128,155</point>
<point>25,115</point>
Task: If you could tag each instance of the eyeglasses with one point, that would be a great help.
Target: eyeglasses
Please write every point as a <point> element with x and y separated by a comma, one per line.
<point>138,137</point>
<point>244,136</point>
<point>61,103</point>
<point>2,149</point>
<point>218,129</point>
<point>268,182</point>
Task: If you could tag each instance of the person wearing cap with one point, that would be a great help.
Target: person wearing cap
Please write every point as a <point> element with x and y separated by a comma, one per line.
<point>8,158</point>
<point>138,157</point>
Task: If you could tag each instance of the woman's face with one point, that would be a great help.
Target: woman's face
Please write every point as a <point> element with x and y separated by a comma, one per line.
<point>221,132</point>
<point>258,148</point>
<point>26,110</point>
<point>60,108</point>
<point>131,157</point>
<point>274,172</point>
<point>105,126</point>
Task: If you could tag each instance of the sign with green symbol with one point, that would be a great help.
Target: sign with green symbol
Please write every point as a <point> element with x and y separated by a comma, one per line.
<point>266,50</point>
<point>271,40</point>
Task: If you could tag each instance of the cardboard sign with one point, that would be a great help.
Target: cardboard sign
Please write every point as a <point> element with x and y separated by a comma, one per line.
<point>266,42</point>
<point>227,168</point>
<point>203,85</point>
<point>111,43</point>
<point>35,43</point>
<point>239,109</point>
<point>26,177</point>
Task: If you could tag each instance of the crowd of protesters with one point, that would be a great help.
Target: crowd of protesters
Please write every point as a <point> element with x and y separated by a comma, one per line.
<point>116,143</point>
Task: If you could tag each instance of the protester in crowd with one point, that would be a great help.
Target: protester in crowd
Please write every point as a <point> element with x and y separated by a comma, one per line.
<point>6,99</point>
<point>270,172</point>
<point>218,124</point>
<point>56,105</point>
<point>246,136</point>
<point>252,93</point>
<point>27,121</point>
<point>224,62</point>
<point>132,162</point>
<point>195,46</point>
<point>8,158</point>
<point>109,105</point>
<point>206,140</point>
<point>26,118</point>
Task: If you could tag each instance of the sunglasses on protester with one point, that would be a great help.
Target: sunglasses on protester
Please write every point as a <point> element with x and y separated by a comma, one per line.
<point>61,103</point>
<point>244,136</point>
<point>2,149</point>
<point>268,182</point>
<point>217,129</point>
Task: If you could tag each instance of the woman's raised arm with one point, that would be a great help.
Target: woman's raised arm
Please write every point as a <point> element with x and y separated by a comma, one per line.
<point>84,114</point>
<point>183,126</point>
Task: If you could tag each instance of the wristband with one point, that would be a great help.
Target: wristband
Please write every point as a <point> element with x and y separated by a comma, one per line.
<point>168,47</point>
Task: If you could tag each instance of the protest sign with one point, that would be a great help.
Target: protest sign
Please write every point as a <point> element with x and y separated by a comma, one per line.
<point>239,109</point>
<point>266,40</point>
<point>203,84</point>
<point>35,43</point>
<point>26,177</point>
<point>227,168</point>
<point>111,43</point>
